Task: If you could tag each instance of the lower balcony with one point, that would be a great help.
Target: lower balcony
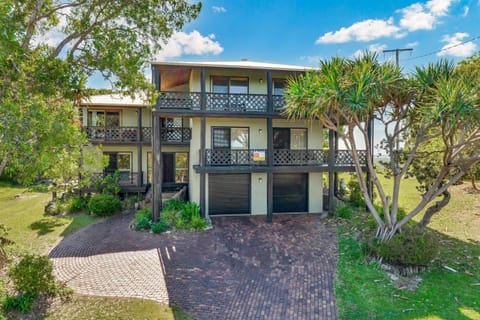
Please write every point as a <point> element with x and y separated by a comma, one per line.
<point>132,135</point>
<point>281,157</point>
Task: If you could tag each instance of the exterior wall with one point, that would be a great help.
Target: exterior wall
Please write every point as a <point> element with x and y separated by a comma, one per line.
<point>315,192</point>
<point>128,118</point>
<point>194,178</point>
<point>259,193</point>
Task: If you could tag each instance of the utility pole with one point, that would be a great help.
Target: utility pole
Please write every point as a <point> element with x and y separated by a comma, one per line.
<point>397,53</point>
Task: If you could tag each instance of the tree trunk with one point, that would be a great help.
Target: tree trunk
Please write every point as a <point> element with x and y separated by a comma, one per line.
<point>435,208</point>
<point>3,164</point>
<point>385,232</point>
<point>474,184</point>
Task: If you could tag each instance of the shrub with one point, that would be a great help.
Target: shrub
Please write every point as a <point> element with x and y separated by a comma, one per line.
<point>190,210</point>
<point>355,196</point>
<point>411,247</point>
<point>109,184</point>
<point>104,205</point>
<point>21,303</point>
<point>173,204</point>
<point>33,275</point>
<point>143,218</point>
<point>343,211</point>
<point>159,226</point>
<point>198,223</point>
<point>76,204</point>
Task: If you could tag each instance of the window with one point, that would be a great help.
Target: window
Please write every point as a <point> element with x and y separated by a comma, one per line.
<point>181,167</point>
<point>230,138</point>
<point>278,87</point>
<point>290,138</point>
<point>103,118</point>
<point>229,85</point>
<point>119,161</point>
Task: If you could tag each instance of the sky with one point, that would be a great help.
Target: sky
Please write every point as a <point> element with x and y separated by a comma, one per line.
<point>303,32</point>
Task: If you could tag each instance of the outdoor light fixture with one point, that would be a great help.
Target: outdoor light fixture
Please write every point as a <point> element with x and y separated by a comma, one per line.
<point>260,180</point>
<point>260,80</point>
<point>260,130</point>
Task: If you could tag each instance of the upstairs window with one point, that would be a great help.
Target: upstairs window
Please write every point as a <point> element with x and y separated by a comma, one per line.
<point>290,138</point>
<point>278,87</point>
<point>103,118</point>
<point>230,85</point>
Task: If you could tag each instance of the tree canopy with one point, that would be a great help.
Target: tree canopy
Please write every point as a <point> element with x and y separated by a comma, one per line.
<point>436,104</point>
<point>48,48</point>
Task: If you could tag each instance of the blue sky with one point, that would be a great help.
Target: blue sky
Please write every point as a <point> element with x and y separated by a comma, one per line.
<point>302,32</point>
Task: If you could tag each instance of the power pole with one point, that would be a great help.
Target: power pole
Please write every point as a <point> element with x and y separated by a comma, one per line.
<point>397,53</point>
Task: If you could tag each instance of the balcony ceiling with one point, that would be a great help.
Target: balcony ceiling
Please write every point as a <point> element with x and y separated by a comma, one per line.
<point>173,76</point>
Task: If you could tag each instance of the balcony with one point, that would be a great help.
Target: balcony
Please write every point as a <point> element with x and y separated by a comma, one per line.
<point>281,157</point>
<point>131,135</point>
<point>218,102</point>
<point>127,179</point>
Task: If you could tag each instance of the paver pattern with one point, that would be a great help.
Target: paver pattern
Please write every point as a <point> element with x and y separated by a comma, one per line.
<point>244,268</point>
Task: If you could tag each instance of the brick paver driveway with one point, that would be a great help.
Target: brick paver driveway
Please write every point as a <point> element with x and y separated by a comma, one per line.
<point>244,268</point>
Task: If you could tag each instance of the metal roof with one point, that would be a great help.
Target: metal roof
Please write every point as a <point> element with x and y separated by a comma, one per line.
<point>242,64</point>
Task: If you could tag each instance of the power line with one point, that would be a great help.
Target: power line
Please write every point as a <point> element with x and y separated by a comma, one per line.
<point>397,53</point>
<point>443,49</point>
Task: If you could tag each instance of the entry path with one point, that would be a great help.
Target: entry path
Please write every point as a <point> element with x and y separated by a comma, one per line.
<point>244,268</point>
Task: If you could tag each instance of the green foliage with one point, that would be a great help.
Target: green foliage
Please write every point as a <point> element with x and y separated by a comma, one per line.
<point>104,205</point>
<point>76,204</point>
<point>143,219</point>
<point>4,241</point>
<point>160,226</point>
<point>344,211</point>
<point>412,247</point>
<point>33,275</point>
<point>109,184</point>
<point>22,303</point>
<point>198,223</point>
<point>355,196</point>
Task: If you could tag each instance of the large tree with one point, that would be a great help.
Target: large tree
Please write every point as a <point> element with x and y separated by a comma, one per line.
<point>435,104</point>
<point>47,50</point>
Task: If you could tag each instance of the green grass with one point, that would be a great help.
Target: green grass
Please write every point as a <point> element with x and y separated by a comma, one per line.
<point>86,307</point>
<point>29,228</point>
<point>363,291</point>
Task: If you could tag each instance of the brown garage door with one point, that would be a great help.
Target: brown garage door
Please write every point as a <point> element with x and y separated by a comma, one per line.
<point>290,192</point>
<point>228,193</point>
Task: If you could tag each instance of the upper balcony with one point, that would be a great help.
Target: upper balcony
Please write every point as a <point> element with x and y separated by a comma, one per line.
<point>219,102</point>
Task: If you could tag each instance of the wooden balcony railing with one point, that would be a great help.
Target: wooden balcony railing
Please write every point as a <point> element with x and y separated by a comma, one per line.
<point>281,157</point>
<point>218,102</point>
<point>130,134</point>
<point>126,178</point>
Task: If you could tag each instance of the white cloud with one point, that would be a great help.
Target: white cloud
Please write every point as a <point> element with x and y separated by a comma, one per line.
<point>311,60</point>
<point>219,9</point>
<point>419,16</point>
<point>454,46</point>
<point>366,30</point>
<point>412,44</point>
<point>375,48</point>
<point>466,10</point>
<point>192,43</point>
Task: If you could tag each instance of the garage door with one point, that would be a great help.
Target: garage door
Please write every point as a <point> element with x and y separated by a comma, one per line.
<point>290,192</point>
<point>228,193</point>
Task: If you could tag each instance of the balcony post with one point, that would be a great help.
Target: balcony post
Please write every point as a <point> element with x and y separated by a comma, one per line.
<point>269,172</point>
<point>203,124</point>
<point>331,171</point>
<point>203,97</point>
<point>156,152</point>
<point>156,81</point>
<point>269,91</point>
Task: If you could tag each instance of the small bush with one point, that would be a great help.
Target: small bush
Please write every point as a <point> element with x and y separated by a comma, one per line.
<point>190,210</point>
<point>198,223</point>
<point>344,211</point>
<point>22,303</point>
<point>33,275</point>
<point>143,219</point>
<point>355,196</point>
<point>173,204</point>
<point>76,204</point>
<point>159,226</point>
<point>104,205</point>
<point>411,247</point>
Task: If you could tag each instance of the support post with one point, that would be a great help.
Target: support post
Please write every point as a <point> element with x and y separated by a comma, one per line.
<point>203,97</point>
<point>139,147</point>
<point>269,172</point>
<point>269,91</point>
<point>203,124</point>
<point>157,168</point>
<point>331,171</point>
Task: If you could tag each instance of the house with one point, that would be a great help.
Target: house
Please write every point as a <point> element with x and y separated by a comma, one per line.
<point>221,132</point>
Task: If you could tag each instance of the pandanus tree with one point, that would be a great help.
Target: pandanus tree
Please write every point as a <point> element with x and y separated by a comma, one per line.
<point>435,104</point>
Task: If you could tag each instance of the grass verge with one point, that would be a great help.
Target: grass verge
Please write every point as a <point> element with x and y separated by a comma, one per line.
<point>363,291</point>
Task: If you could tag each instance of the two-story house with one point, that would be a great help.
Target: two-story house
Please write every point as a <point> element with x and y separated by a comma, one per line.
<point>217,127</point>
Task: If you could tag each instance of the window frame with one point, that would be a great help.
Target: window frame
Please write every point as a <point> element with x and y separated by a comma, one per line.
<point>230,137</point>
<point>104,111</point>
<point>229,80</point>
<point>290,136</point>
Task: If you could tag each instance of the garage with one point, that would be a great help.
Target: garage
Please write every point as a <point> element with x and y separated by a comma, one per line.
<point>290,192</point>
<point>229,193</point>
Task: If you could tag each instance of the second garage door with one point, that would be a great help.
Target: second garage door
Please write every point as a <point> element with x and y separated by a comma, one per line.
<point>290,192</point>
<point>228,193</point>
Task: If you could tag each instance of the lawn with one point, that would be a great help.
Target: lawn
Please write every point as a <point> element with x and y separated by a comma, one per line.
<point>363,291</point>
<point>22,213</point>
